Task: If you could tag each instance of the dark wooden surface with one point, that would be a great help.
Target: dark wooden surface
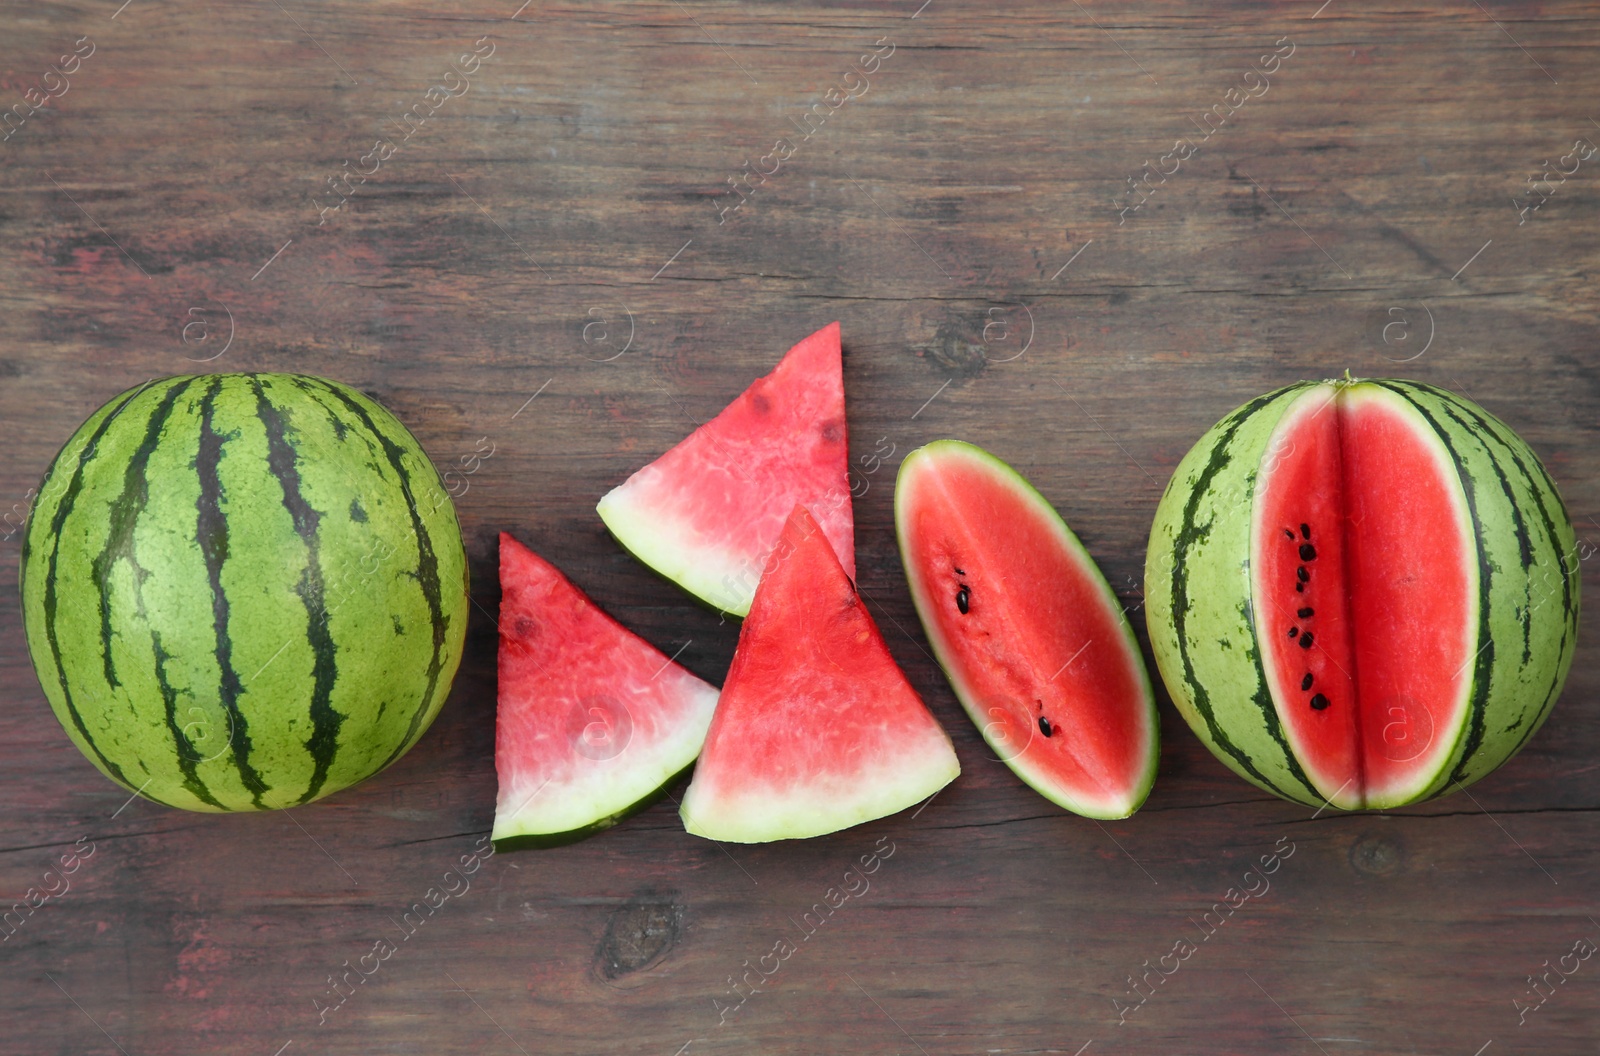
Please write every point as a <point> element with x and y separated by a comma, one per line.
<point>578,181</point>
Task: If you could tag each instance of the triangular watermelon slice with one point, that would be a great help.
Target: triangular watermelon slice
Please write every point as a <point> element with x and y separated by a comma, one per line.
<point>594,722</point>
<point>707,513</point>
<point>817,728</point>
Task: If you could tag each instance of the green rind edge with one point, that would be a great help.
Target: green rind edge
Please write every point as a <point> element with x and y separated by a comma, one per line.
<point>545,840</point>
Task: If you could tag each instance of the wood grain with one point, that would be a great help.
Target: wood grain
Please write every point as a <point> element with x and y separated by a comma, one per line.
<point>559,231</point>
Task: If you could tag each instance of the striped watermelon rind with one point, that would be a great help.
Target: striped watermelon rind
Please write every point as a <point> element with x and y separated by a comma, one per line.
<point>1198,590</point>
<point>243,591</point>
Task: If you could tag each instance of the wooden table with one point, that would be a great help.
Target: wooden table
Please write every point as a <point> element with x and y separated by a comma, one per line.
<point>558,226</point>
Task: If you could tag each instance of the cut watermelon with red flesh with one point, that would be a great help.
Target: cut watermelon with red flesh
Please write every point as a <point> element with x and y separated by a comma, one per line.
<point>1364,585</point>
<point>817,728</point>
<point>593,723</point>
<point>1033,640</point>
<point>707,513</point>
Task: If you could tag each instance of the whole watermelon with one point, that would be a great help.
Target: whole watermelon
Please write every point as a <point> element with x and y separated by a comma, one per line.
<point>243,591</point>
<point>1362,593</point>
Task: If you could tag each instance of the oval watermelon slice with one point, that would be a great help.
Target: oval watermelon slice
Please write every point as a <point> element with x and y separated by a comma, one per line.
<point>817,728</point>
<point>1033,641</point>
<point>707,513</point>
<point>594,722</point>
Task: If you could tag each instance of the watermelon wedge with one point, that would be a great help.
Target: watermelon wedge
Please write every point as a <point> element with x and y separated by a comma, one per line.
<point>1033,640</point>
<point>817,728</point>
<point>707,513</point>
<point>594,722</point>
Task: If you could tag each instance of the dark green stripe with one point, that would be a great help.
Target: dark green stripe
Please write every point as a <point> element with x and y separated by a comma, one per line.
<point>1483,662</point>
<point>122,515</point>
<point>324,741</point>
<point>1269,711</point>
<point>211,532</point>
<point>427,572</point>
<point>1571,576</point>
<point>1568,625</point>
<point>1498,430</point>
<point>69,499</point>
<point>187,756</point>
<point>1524,543</point>
<point>48,482</point>
<point>1188,535</point>
<point>1533,718</point>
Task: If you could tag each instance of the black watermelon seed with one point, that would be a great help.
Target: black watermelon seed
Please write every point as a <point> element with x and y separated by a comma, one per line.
<point>1288,533</point>
<point>1299,588</point>
<point>1305,683</point>
<point>1305,531</point>
<point>1319,702</point>
<point>1306,612</point>
<point>1308,552</point>
<point>1293,631</point>
<point>1044,726</point>
<point>1305,640</point>
<point>963,599</point>
<point>959,572</point>
<point>1301,574</point>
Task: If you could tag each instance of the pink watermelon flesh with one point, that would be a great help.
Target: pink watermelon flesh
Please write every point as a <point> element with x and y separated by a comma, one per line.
<point>1363,594</point>
<point>1031,637</point>
<point>817,728</point>
<point>593,721</point>
<point>707,513</point>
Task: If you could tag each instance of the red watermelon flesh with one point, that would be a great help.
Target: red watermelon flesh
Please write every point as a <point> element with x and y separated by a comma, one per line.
<point>593,721</point>
<point>817,728</point>
<point>1364,587</point>
<point>1034,642</point>
<point>707,513</point>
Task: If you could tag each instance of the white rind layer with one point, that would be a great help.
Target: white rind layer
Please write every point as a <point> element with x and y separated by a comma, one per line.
<point>592,791</point>
<point>824,803</point>
<point>675,549</point>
